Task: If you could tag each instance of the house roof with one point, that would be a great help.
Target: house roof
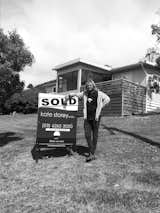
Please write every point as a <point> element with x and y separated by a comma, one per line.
<point>79,60</point>
<point>152,72</point>
<point>48,83</point>
<point>149,68</point>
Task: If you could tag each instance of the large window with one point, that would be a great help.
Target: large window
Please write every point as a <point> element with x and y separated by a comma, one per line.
<point>67,81</point>
<point>96,77</point>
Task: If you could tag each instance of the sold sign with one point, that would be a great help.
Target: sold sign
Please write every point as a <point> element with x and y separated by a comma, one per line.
<point>57,101</point>
<point>57,120</point>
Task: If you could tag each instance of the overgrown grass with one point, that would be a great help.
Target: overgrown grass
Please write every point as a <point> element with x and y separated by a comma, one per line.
<point>125,177</point>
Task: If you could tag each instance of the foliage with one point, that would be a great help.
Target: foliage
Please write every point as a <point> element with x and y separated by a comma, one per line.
<point>13,52</point>
<point>156,31</point>
<point>158,61</point>
<point>14,57</point>
<point>25,102</point>
<point>9,84</point>
<point>30,86</point>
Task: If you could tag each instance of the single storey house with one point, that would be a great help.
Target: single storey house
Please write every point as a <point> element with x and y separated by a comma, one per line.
<point>133,89</point>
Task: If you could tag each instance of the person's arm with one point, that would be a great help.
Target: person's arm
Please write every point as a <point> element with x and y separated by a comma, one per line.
<point>105,98</point>
<point>70,95</point>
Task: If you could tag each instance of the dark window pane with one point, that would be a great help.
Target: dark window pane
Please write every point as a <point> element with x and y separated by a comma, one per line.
<point>67,81</point>
<point>95,76</point>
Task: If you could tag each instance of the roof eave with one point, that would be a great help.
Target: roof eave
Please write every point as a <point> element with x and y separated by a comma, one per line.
<point>78,60</point>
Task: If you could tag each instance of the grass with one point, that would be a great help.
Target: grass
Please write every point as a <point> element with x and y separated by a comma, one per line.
<point>125,177</point>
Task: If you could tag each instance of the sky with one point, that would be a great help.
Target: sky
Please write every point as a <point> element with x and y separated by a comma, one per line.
<point>116,33</point>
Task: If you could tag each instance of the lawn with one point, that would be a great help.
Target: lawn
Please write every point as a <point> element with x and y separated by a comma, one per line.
<point>125,177</point>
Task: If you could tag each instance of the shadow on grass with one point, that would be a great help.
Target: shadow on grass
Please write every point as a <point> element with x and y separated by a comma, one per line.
<point>7,137</point>
<point>144,139</point>
<point>39,153</point>
<point>82,150</point>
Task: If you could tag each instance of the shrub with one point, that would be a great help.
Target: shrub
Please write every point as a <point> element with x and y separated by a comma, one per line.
<point>25,102</point>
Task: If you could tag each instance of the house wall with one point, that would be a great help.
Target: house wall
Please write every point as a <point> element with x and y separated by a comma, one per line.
<point>47,87</point>
<point>152,102</point>
<point>137,76</point>
<point>51,89</point>
<point>152,96</point>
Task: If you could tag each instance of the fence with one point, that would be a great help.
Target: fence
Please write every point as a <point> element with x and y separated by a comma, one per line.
<point>127,98</point>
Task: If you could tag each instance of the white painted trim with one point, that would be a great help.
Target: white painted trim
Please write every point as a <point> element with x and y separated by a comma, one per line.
<point>60,66</point>
<point>79,80</point>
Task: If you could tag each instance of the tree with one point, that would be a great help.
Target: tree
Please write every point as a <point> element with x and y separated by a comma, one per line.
<point>30,86</point>
<point>14,57</point>
<point>153,54</point>
<point>156,31</point>
<point>9,84</point>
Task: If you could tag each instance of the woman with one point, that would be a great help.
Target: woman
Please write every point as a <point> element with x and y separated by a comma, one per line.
<point>94,100</point>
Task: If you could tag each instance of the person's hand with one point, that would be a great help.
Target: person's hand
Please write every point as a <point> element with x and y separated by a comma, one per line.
<point>96,119</point>
<point>65,102</point>
<point>67,97</point>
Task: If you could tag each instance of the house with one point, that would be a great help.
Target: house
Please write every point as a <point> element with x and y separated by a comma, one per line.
<point>138,73</point>
<point>133,89</point>
<point>47,87</point>
<point>146,75</point>
<point>74,74</point>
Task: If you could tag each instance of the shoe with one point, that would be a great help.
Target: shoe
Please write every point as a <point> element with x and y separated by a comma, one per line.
<point>70,152</point>
<point>90,158</point>
<point>86,154</point>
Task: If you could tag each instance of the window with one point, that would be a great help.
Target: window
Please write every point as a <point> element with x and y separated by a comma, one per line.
<point>67,81</point>
<point>96,77</point>
<point>54,89</point>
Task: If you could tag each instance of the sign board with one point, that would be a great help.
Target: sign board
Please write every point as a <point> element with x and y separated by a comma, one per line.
<point>57,120</point>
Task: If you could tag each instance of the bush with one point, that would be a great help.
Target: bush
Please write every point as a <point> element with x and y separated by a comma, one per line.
<point>25,102</point>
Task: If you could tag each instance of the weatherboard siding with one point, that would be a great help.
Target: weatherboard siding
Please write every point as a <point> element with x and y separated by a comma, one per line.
<point>152,102</point>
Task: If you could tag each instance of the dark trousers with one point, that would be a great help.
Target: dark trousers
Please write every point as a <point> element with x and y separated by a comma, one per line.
<point>91,134</point>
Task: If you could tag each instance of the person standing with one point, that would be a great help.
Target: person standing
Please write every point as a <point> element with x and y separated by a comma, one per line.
<point>94,100</point>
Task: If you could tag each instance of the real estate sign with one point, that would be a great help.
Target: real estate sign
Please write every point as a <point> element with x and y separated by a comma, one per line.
<point>56,120</point>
